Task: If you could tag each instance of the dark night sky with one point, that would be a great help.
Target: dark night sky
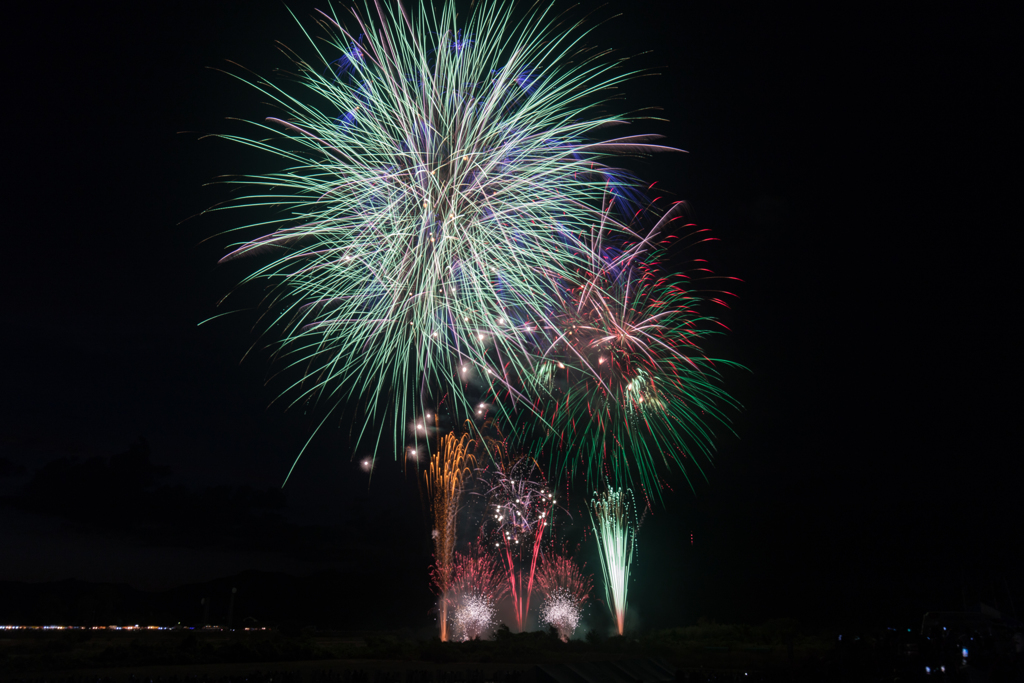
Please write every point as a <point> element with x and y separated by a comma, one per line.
<point>850,161</point>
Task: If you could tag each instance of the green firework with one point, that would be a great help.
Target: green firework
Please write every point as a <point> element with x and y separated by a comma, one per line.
<point>440,182</point>
<point>631,394</point>
<point>613,516</point>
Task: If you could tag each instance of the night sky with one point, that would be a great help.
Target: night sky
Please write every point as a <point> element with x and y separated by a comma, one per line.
<point>851,162</point>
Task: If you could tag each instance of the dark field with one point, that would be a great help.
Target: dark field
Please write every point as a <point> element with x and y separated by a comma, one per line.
<point>777,650</point>
<point>37,655</point>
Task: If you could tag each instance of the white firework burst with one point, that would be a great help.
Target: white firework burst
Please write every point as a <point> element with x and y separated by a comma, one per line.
<point>474,617</point>
<point>562,609</point>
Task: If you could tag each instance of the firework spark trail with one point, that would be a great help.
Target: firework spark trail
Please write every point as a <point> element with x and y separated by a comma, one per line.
<point>477,585</point>
<point>565,590</point>
<point>439,183</point>
<point>519,512</point>
<point>445,477</point>
<point>630,391</point>
<point>615,531</point>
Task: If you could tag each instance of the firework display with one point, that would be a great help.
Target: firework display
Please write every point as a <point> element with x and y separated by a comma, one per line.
<point>446,227</point>
<point>613,515</point>
<point>560,572</point>
<point>448,468</point>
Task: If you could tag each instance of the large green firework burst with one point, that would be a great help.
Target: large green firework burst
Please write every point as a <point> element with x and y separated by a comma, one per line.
<point>439,186</point>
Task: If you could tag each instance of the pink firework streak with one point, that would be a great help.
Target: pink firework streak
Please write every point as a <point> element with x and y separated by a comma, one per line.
<point>519,510</point>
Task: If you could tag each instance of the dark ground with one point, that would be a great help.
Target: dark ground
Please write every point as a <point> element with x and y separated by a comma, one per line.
<point>775,651</point>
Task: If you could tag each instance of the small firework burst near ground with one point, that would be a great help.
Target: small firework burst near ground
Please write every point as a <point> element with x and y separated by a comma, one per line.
<point>477,585</point>
<point>566,590</point>
<point>562,610</point>
<point>473,617</point>
<point>613,515</point>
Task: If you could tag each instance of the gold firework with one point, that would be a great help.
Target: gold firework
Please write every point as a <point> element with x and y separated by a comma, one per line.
<point>449,467</point>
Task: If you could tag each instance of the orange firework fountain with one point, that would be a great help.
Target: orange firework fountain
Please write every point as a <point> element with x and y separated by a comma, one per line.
<point>448,469</point>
